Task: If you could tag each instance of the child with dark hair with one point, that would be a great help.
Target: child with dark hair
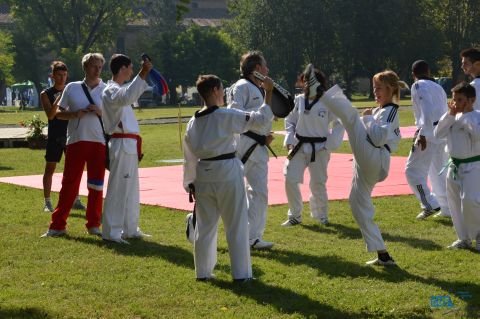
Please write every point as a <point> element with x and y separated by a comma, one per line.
<point>309,141</point>
<point>121,210</point>
<point>461,126</point>
<point>427,156</point>
<point>57,131</point>
<point>210,164</point>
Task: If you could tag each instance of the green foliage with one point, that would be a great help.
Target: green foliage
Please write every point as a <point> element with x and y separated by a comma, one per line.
<point>46,26</point>
<point>35,128</point>
<point>182,8</point>
<point>202,51</point>
<point>7,56</point>
<point>351,38</point>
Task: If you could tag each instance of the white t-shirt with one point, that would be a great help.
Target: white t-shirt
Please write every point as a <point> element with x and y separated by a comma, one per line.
<point>88,127</point>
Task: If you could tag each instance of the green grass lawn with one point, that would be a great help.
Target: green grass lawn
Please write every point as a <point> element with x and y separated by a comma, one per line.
<point>313,271</point>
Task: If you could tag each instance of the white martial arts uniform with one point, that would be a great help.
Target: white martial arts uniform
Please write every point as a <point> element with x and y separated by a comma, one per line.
<point>219,185</point>
<point>121,209</point>
<point>312,123</point>
<point>371,137</point>
<point>246,96</point>
<point>476,84</point>
<point>463,138</point>
<point>429,104</point>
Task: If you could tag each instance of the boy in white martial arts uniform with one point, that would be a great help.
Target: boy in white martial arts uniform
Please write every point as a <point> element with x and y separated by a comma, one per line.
<point>428,154</point>
<point>461,126</point>
<point>217,175</point>
<point>121,210</point>
<point>309,141</point>
<point>247,95</point>
<point>471,66</point>
<point>372,137</point>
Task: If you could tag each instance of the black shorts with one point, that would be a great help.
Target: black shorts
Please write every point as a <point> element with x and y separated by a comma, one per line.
<point>55,149</point>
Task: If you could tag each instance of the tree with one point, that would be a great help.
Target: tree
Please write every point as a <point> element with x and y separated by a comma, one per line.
<point>289,33</point>
<point>6,62</point>
<point>461,27</point>
<point>43,27</point>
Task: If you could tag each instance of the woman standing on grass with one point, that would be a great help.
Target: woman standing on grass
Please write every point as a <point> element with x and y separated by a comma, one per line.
<point>372,136</point>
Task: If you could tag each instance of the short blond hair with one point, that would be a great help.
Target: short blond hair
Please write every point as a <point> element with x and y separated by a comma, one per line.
<point>87,58</point>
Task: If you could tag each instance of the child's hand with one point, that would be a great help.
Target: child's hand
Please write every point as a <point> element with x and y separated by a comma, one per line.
<point>269,139</point>
<point>452,107</point>
<point>367,112</point>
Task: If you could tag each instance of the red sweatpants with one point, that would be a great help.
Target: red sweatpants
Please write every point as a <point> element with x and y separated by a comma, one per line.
<point>77,154</point>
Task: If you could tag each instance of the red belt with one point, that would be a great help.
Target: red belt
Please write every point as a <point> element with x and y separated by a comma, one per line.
<point>132,136</point>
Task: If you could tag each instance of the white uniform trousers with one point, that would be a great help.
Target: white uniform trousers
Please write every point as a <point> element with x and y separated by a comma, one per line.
<point>429,163</point>
<point>224,199</point>
<point>464,200</point>
<point>256,173</point>
<point>121,209</point>
<point>371,166</point>
<point>294,170</point>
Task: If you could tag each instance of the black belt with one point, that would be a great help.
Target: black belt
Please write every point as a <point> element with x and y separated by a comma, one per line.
<point>259,139</point>
<point>306,139</point>
<point>220,157</point>
<point>384,145</point>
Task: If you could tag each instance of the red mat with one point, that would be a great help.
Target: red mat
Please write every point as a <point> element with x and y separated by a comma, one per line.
<point>162,186</point>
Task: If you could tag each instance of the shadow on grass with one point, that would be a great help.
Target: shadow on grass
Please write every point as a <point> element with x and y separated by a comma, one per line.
<point>6,168</point>
<point>444,221</point>
<point>284,300</point>
<point>335,266</point>
<point>142,248</point>
<point>31,313</point>
<point>343,231</point>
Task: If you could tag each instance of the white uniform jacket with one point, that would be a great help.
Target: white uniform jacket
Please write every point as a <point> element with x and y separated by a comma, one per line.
<point>429,104</point>
<point>313,123</point>
<point>117,101</point>
<point>210,133</point>
<point>476,84</point>
<point>462,132</point>
<point>246,96</point>
<point>383,127</point>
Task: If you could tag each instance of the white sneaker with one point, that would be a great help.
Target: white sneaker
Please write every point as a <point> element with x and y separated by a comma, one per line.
<point>261,244</point>
<point>426,213</point>
<point>117,240</point>
<point>95,231</point>
<point>291,222</point>
<point>54,233</point>
<point>379,262</point>
<point>48,208</point>
<point>461,244</point>
<point>78,205</point>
